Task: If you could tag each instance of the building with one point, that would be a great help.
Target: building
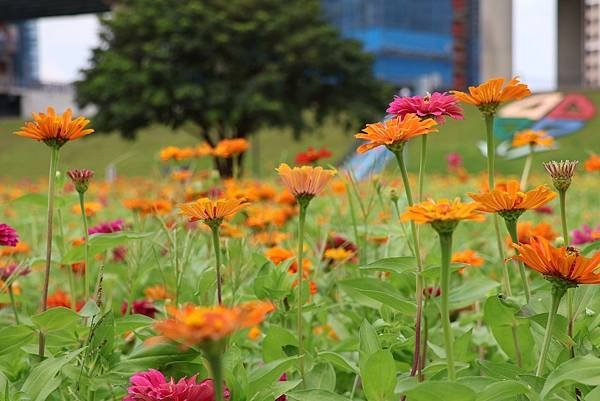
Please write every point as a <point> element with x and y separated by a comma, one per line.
<point>18,53</point>
<point>430,44</point>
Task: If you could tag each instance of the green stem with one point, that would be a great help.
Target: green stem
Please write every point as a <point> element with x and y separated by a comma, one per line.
<point>217,247</point>
<point>361,253</point>
<point>51,193</point>
<point>491,156</point>
<point>511,225</point>
<point>422,162</point>
<point>416,367</point>
<point>217,376</point>
<point>13,303</point>
<point>446,246</point>
<point>563,218</point>
<point>557,294</point>
<point>300,270</point>
<point>526,169</point>
<point>86,249</point>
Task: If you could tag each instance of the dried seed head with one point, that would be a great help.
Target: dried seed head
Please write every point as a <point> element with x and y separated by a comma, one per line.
<point>561,172</point>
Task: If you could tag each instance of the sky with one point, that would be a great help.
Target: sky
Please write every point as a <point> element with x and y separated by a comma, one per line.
<point>65,44</point>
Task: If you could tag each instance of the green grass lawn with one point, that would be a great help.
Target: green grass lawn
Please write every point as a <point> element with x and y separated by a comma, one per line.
<point>21,157</point>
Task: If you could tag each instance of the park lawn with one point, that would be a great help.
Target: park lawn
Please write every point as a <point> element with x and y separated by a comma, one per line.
<point>22,158</point>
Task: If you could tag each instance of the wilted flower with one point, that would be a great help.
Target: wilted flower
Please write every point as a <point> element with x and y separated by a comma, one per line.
<point>152,386</point>
<point>81,178</point>
<point>394,133</point>
<point>561,172</point>
<point>490,94</point>
<point>8,236</point>
<point>436,106</point>
<point>55,130</point>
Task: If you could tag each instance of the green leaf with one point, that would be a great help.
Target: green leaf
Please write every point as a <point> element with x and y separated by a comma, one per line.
<point>591,247</point>
<point>38,200</point>
<point>42,380</point>
<point>268,374</point>
<point>276,343</point>
<point>100,243</point>
<point>500,370</point>
<point>321,376</point>
<point>469,292</point>
<point>273,282</point>
<point>339,361</point>
<point>127,323</point>
<point>581,369</point>
<point>150,357</point>
<point>55,319</point>
<point>506,390</point>
<point>379,376</point>
<point>505,326</point>
<point>103,336</point>
<point>89,309</point>
<point>374,293</point>
<point>13,337</point>
<point>400,264</point>
<point>315,395</point>
<point>438,390</point>
<point>276,390</point>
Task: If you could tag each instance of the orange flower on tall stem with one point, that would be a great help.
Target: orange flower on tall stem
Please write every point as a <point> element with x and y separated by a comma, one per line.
<point>444,215</point>
<point>304,183</point>
<point>565,268</point>
<point>532,138</point>
<point>230,147</point>
<point>209,328</point>
<point>395,132</point>
<point>212,213</point>
<point>54,130</point>
<point>510,202</point>
<point>490,94</point>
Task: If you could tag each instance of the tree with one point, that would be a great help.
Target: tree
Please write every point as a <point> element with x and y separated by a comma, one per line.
<point>228,66</point>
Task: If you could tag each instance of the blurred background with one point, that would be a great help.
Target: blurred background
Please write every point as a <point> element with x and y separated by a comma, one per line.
<point>416,47</point>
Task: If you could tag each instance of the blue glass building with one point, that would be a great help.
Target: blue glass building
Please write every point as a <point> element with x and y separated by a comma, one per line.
<point>413,39</point>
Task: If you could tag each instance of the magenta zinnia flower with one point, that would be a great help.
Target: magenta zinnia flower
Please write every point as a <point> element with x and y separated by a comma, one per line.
<point>454,160</point>
<point>108,227</point>
<point>437,105</point>
<point>585,235</point>
<point>8,235</point>
<point>141,307</point>
<point>152,386</point>
<point>9,270</point>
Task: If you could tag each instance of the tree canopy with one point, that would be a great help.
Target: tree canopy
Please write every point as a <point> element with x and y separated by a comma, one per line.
<point>229,66</point>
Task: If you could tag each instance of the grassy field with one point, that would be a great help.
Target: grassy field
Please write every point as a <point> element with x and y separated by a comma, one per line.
<point>22,158</point>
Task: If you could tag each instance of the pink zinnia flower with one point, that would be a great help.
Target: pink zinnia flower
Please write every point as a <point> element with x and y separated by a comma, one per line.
<point>454,160</point>
<point>8,235</point>
<point>585,235</point>
<point>437,106</point>
<point>141,307</point>
<point>108,227</point>
<point>152,386</point>
<point>7,271</point>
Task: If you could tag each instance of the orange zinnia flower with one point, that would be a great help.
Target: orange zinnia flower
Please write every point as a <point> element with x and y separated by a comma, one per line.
<point>212,212</point>
<point>338,254</point>
<point>507,199</point>
<point>304,181</point>
<point>55,130</point>
<point>526,230</point>
<point>230,147</point>
<point>593,163</point>
<point>467,257</point>
<point>442,215</point>
<point>490,94</point>
<point>531,138</point>
<point>198,325</point>
<point>146,206</point>
<point>157,293</point>
<point>91,208</point>
<point>565,264</point>
<point>394,133</point>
